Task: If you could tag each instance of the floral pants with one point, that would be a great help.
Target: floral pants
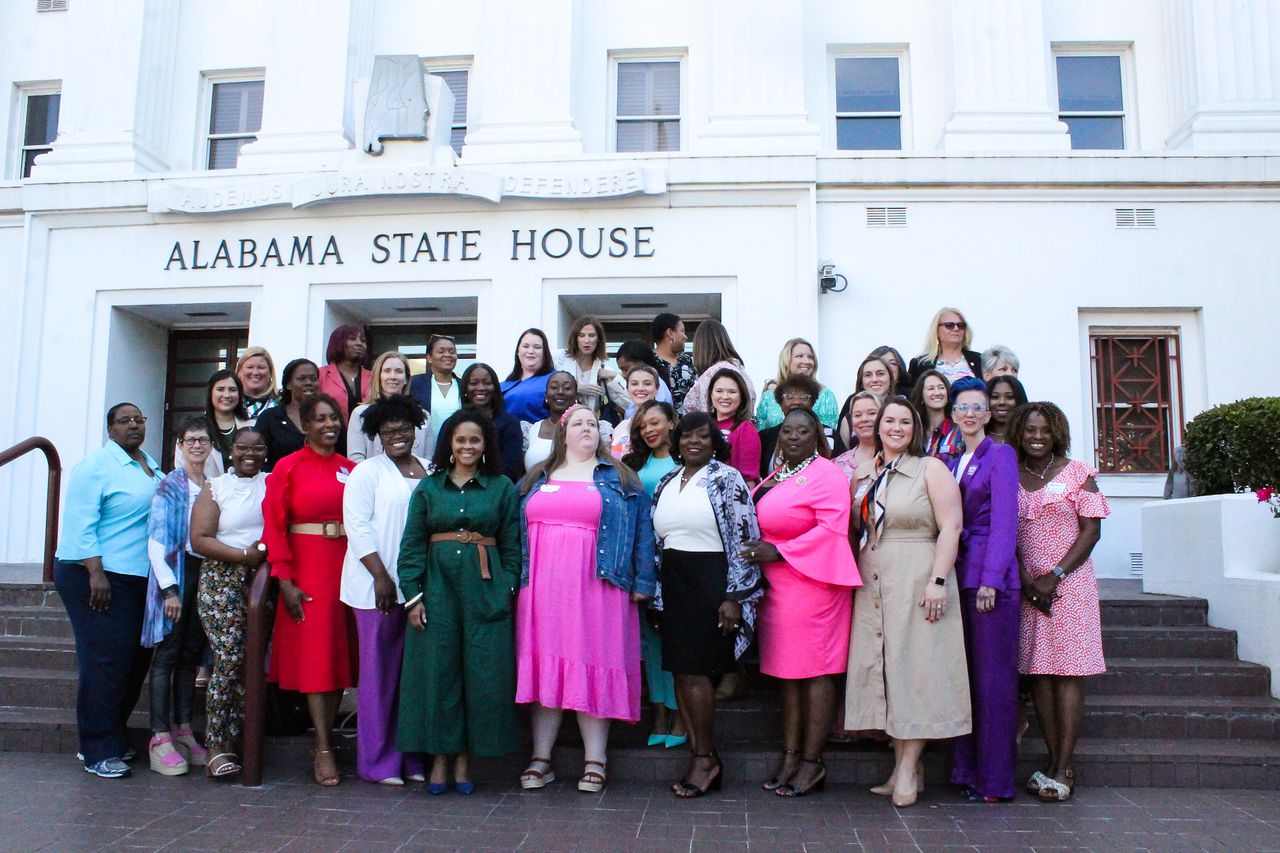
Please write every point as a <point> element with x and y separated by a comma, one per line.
<point>222,601</point>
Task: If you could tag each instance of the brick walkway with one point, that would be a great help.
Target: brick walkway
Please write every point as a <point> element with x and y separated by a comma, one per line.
<point>47,802</point>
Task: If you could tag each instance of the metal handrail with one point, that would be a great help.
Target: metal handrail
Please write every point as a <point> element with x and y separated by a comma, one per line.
<point>52,492</point>
<point>255,676</point>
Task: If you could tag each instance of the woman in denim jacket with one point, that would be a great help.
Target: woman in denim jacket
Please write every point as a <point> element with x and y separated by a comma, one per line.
<point>588,561</point>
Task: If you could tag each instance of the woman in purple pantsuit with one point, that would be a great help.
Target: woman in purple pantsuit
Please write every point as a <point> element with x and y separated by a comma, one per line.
<point>987,569</point>
<point>374,507</point>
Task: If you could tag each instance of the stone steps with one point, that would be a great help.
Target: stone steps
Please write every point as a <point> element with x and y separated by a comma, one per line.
<point>1176,708</point>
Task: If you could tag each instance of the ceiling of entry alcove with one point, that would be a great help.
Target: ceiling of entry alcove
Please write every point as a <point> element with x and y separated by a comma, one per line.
<point>617,305</point>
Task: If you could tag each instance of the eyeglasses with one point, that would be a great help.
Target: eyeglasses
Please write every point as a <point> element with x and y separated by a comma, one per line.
<point>197,441</point>
<point>797,398</point>
<point>137,420</point>
<point>392,432</point>
<point>952,326</point>
<point>966,408</point>
<point>250,448</point>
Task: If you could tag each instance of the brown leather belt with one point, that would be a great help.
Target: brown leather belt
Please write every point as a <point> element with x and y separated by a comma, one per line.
<point>327,529</point>
<point>470,537</point>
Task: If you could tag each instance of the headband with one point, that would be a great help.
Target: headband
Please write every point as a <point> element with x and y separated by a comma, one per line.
<point>564,419</point>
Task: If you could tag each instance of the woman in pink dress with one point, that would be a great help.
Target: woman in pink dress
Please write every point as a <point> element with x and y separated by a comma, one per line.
<point>588,553</point>
<point>803,623</point>
<point>1060,512</point>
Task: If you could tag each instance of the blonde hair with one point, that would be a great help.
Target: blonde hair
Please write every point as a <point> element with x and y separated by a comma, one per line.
<point>932,346</point>
<point>784,359</point>
<point>560,452</point>
<point>253,352</point>
<point>374,394</point>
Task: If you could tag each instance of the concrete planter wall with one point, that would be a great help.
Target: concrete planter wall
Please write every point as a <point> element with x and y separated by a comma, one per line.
<point>1226,549</point>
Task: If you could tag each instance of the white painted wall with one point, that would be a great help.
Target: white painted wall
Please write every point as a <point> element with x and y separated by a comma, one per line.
<point>1226,549</point>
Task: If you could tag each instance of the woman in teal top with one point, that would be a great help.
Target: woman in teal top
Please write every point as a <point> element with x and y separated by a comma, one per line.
<point>650,458</point>
<point>797,356</point>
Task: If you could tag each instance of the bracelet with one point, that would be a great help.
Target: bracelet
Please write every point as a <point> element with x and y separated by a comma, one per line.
<point>417,599</point>
<point>244,555</point>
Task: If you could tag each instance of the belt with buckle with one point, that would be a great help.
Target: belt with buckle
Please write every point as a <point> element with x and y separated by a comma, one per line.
<point>327,529</point>
<point>470,537</point>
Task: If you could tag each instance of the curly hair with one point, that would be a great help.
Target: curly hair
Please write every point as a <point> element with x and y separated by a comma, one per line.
<point>697,420</point>
<point>798,382</point>
<point>639,454</point>
<point>393,408</point>
<point>1058,427</point>
<point>490,458</point>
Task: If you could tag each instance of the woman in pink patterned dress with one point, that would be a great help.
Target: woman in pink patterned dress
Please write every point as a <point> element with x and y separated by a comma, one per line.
<point>1060,512</point>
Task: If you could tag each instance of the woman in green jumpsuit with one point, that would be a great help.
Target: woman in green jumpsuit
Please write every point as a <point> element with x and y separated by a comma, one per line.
<point>459,566</point>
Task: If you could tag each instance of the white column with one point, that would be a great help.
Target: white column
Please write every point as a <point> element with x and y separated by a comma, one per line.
<point>1224,74</point>
<point>521,97</point>
<point>1001,67</point>
<point>318,52</point>
<point>757,80</point>
<point>114,114</point>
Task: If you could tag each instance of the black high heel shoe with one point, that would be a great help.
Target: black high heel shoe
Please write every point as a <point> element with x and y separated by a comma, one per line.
<point>687,791</point>
<point>775,783</point>
<point>819,784</point>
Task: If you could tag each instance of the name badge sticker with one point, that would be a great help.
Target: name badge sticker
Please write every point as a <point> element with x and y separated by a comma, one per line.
<point>1056,488</point>
<point>973,469</point>
<point>549,488</point>
<point>343,477</point>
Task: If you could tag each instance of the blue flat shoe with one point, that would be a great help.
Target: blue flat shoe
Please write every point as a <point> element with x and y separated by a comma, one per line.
<point>435,789</point>
<point>465,788</point>
<point>657,740</point>
<point>676,740</point>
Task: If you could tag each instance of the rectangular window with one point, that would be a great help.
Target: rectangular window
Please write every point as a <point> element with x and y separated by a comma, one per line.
<point>39,127</point>
<point>868,103</point>
<point>647,117</point>
<point>1137,398</point>
<point>1091,100</point>
<point>235,117</point>
<point>457,81</point>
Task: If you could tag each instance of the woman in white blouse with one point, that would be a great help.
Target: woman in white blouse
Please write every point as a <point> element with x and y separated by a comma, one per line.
<point>374,506</point>
<point>390,377</point>
<point>226,527</point>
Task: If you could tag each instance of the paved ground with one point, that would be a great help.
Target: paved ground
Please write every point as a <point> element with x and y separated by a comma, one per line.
<point>47,802</point>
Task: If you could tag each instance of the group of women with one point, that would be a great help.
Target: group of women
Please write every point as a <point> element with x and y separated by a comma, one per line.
<point>469,544</point>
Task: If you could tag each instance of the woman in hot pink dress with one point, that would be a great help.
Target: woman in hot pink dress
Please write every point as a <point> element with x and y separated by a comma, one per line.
<point>803,622</point>
<point>1060,512</point>
<point>588,549</point>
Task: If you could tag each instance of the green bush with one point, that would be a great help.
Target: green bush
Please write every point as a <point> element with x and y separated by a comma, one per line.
<point>1235,447</point>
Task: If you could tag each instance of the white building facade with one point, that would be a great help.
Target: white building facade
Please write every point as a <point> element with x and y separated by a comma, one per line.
<point>1094,183</point>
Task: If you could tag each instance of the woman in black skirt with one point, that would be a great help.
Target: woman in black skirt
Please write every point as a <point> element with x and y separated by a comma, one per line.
<point>702,513</point>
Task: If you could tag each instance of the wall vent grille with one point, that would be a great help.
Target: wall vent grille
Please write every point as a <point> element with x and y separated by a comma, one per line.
<point>1135,217</point>
<point>886,217</point>
<point>1135,564</point>
<point>51,5</point>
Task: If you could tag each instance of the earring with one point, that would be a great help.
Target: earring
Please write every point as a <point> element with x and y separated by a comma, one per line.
<point>451,459</point>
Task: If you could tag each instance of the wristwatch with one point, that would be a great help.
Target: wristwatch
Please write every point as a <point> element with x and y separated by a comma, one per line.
<point>1059,572</point>
<point>940,581</point>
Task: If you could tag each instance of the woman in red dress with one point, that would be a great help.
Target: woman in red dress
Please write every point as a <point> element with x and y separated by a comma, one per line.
<point>302,511</point>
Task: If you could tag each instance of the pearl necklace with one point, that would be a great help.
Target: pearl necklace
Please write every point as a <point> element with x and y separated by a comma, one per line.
<point>786,472</point>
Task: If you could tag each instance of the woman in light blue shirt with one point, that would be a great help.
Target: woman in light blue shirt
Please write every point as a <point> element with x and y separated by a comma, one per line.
<point>101,576</point>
